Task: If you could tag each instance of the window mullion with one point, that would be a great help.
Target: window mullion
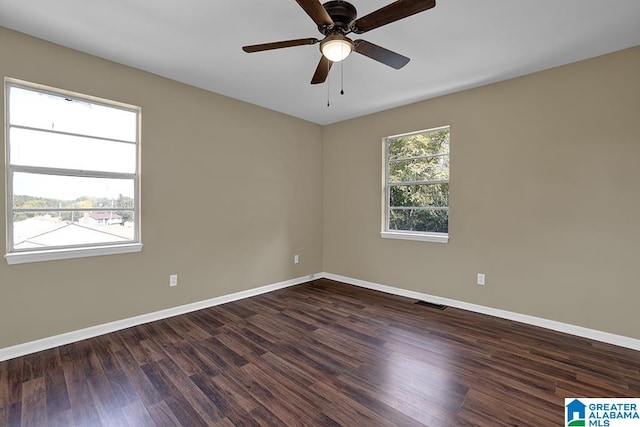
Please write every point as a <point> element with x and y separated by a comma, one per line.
<point>419,208</point>
<point>430,156</point>
<point>406,183</point>
<point>73,134</point>
<point>387,186</point>
<point>71,172</point>
<point>93,209</point>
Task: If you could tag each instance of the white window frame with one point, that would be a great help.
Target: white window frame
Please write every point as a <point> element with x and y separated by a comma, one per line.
<point>386,195</point>
<point>19,256</point>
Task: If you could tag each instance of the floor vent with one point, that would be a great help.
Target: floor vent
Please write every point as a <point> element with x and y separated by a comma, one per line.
<point>432,305</point>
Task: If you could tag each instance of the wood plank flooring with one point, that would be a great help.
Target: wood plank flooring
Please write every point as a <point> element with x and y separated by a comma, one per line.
<point>319,354</point>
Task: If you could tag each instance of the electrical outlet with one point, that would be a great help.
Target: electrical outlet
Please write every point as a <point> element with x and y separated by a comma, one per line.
<point>296,259</point>
<point>173,280</point>
<point>481,279</point>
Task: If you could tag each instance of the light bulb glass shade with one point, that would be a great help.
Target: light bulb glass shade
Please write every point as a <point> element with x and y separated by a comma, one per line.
<point>336,48</point>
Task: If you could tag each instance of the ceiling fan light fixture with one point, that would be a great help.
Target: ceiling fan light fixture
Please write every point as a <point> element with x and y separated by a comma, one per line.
<point>336,47</point>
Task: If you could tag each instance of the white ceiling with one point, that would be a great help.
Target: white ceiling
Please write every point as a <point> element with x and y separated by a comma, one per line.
<point>457,45</point>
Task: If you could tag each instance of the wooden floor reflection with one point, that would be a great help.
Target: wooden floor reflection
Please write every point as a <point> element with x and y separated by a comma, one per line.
<point>319,354</point>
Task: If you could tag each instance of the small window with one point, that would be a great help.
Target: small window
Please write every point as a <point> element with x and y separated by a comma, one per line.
<point>72,175</point>
<point>416,186</point>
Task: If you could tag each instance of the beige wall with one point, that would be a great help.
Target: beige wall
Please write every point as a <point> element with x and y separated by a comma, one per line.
<point>545,196</point>
<point>230,192</point>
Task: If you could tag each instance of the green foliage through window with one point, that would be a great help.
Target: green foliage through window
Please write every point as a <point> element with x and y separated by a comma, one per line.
<point>417,182</point>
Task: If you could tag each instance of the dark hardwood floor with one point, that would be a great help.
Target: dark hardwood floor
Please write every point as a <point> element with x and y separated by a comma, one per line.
<point>318,354</point>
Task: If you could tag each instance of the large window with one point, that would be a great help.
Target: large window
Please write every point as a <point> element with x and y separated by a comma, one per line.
<point>72,175</point>
<point>416,186</point>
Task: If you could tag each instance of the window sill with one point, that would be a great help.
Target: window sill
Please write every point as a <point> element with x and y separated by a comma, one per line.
<point>423,237</point>
<point>56,254</point>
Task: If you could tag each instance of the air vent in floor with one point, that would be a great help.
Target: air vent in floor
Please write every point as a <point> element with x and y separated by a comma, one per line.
<point>432,305</point>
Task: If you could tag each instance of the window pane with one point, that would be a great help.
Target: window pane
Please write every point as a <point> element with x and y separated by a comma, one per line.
<point>419,195</point>
<point>72,170</point>
<point>426,169</point>
<point>46,149</point>
<point>434,221</point>
<point>56,112</point>
<point>55,192</point>
<point>426,144</point>
<point>33,230</point>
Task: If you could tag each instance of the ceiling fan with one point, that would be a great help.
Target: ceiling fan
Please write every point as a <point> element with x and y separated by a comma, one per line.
<point>335,19</point>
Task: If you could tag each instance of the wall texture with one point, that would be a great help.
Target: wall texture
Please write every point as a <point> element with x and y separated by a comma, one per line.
<point>230,192</point>
<point>545,196</point>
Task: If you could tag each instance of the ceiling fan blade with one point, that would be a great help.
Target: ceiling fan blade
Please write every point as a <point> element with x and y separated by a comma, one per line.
<point>390,13</point>
<point>322,71</point>
<point>316,11</point>
<point>380,54</point>
<point>278,45</point>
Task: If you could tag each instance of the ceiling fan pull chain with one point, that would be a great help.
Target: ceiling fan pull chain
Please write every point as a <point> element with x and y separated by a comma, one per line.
<point>328,92</point>
<point>341,77</point>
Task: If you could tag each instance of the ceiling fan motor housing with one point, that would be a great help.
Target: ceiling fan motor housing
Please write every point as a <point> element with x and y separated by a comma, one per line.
<point>342,13</point>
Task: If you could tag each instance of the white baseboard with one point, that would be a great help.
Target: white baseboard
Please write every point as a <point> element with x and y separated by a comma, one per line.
<point>94,331</point>
<point>580,331</point>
